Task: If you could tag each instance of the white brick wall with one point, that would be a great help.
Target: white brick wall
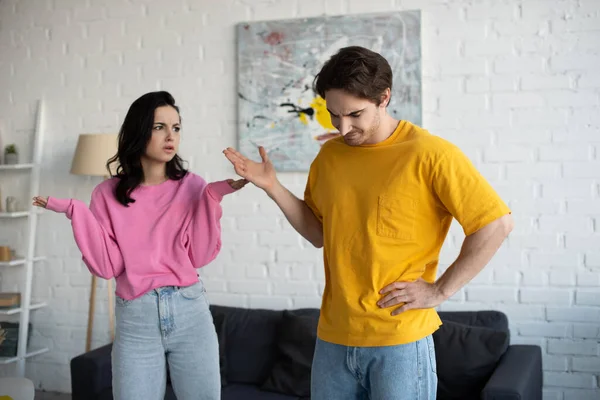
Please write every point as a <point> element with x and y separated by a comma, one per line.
<point>515,84</point>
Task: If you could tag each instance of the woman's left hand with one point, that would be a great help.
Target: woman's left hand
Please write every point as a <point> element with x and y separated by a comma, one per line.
<point>238,184</point>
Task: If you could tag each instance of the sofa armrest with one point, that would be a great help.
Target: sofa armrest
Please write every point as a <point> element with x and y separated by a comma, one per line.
<point>518,375</point>
<point>91,373</point>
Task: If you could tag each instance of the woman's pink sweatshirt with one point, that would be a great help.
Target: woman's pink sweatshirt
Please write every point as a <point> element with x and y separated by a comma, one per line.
<point>171,229</point>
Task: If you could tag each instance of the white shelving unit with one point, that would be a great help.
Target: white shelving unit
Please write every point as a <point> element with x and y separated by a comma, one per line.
<point>32,306</point>
<point>17,166</point>
<point>27,262</point>
<point>19,261</point>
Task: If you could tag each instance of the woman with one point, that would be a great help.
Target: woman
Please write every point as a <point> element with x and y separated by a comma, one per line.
<point>150,227</point>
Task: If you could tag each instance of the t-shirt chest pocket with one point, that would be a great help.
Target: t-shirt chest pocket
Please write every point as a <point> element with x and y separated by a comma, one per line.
<point>396,217</point>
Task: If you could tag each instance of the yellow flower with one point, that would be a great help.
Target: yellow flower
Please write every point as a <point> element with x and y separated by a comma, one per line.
<point>321,113</point>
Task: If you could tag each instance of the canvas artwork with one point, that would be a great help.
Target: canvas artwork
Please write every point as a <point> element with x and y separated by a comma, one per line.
<point>278,61</point>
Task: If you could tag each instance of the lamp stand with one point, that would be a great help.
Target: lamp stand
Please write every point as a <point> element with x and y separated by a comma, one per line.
<point>111,312</point>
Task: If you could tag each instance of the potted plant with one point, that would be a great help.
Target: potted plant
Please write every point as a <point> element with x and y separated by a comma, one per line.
<point>11,156</point>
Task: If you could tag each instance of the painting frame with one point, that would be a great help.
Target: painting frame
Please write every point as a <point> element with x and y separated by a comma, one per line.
<point>277,61</point>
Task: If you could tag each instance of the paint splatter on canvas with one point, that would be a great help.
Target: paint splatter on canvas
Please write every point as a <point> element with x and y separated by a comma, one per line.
<point>277,63</point>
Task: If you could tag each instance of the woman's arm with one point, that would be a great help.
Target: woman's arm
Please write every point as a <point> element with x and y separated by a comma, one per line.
<point>92,232</point>
<point>203,235</point>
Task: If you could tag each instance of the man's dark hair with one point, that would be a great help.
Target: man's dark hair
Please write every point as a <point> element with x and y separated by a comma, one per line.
<point>356,70</point>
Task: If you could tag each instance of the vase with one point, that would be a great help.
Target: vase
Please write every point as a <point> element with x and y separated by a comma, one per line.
<point>11,158</point>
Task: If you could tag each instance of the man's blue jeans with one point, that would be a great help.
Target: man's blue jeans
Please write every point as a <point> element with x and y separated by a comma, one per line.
<point>402,372</point>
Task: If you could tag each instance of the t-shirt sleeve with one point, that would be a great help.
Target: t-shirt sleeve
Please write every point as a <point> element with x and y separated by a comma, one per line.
<point>464,192</point>
<point>308,191</point>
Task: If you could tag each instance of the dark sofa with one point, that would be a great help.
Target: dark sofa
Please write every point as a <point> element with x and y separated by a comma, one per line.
<point>266,355</point>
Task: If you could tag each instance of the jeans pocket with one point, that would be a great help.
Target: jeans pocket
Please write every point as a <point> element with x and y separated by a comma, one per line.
<point>192,292</point>
<point>121,302</point>
<point>431,348</point>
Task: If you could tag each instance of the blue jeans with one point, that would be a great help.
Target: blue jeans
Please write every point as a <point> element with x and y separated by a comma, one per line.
<point>166,325</point>
<point>402,372</point>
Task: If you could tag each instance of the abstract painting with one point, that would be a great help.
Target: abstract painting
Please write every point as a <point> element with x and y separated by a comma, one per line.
<point>278,61</point>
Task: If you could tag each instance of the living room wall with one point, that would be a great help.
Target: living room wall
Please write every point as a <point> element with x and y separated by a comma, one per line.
<point>514,83</point>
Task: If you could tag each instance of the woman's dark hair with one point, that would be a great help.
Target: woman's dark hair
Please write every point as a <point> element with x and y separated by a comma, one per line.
<point>134,136</point>
<point>356,70</point>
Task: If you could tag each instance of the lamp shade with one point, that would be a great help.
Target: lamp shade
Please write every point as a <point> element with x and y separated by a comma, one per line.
<point>92,152</point>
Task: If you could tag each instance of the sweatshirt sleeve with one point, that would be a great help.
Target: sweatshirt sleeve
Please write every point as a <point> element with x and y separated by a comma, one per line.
<point>93,233</point>
<point>204,231</point>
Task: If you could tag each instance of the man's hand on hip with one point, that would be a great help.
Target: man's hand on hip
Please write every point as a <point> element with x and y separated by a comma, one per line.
<point>410,295</point>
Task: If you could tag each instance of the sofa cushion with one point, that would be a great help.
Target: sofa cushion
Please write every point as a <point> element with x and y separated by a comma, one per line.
<point>296,339</point>
<point>237,391</point>
<point>250,342</point>
<point>219,321</point>
<point>485,318</point>
<point>170,394</point>
<point>106,394</point>
<point>466,356</point>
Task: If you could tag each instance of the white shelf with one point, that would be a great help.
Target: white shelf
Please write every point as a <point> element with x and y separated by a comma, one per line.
<point>21,214</point>
<point>30,353</point>
<point>29,216</point>
<point>8,360</point>
<point>13,311</point>
<point>19,261</point>
<point>15,166</point>
<point>18,214</point>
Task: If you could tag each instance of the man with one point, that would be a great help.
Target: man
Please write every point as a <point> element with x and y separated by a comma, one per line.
<point>380,200</point>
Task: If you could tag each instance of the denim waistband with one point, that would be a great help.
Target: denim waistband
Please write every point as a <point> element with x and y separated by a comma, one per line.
<point>167,289</point>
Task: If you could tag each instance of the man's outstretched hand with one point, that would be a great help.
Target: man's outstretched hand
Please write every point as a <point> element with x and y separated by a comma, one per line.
<point>261,174</point>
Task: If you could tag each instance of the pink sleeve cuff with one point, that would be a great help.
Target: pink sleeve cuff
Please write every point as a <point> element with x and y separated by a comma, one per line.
<point>58,205</point>
<point>219,189</point>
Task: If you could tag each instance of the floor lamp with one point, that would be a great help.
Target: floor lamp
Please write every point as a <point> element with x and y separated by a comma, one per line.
<point>92,152</point>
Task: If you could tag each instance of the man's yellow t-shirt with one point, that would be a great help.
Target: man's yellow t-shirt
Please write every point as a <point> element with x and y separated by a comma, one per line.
<point>386,210</point>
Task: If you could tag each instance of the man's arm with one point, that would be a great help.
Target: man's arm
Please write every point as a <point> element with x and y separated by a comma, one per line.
<point>485,219</point>
<point>263,176</point>
<point>299,215</point>
<point>477,250</point>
